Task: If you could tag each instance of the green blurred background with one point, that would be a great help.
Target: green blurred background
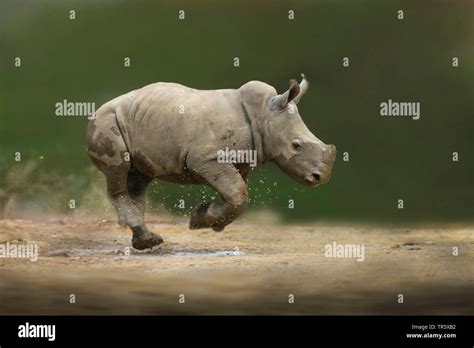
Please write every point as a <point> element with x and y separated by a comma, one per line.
<point>390,158</point>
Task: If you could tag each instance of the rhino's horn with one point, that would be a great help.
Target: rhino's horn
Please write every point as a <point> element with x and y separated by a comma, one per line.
<point>304,85</point>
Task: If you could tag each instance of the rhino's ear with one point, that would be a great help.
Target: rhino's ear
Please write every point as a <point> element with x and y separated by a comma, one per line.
<point>304,85</point>
<point>282,100</point>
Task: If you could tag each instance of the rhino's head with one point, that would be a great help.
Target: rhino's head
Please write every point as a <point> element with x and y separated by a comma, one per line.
<point>287,141</point>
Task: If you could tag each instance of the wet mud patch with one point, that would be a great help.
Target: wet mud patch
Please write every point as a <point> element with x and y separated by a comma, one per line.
<point>163,250</point>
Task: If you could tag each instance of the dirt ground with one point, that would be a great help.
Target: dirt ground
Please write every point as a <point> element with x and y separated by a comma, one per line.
<point>249,268</point>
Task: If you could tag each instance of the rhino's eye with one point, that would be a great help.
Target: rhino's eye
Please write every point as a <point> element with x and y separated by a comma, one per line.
<point>296,144</point>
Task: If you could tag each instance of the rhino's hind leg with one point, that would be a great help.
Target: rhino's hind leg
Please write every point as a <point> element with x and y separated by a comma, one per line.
<point>125,187</point>
<point>226,180</point>
<point>130,207</point>
<point>137,184</point>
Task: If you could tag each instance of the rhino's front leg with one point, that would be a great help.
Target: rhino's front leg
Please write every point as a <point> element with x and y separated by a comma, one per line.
<point>226,180</point>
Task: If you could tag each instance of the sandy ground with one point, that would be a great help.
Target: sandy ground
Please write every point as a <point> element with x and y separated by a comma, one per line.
<point>249,268</point>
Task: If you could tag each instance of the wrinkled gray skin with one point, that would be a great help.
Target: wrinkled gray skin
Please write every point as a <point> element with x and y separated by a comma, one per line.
<point>172,132</point>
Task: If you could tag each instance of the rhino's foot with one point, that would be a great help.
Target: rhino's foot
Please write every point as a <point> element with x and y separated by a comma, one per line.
<point>198,217</point>
<point>122,223</point>
<point>144,239</point>
<point>217,227</point>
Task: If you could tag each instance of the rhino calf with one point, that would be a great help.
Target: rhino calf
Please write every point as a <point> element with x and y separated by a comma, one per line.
<point>174,133</point>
